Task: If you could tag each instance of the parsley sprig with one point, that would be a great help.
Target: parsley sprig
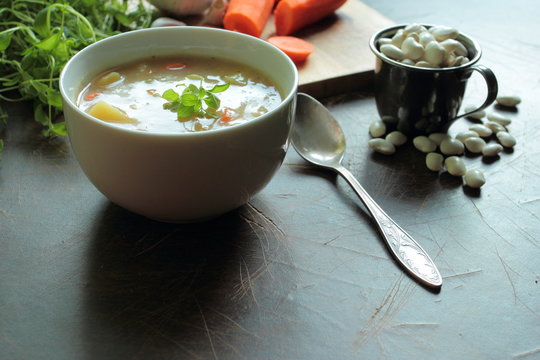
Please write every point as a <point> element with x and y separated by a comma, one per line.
<point>194,101</point>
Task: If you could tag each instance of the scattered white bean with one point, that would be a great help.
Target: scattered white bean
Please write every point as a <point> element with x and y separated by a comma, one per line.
<point>382,146</point>
<point>506,139</point>
<point>412,49</point>
<point>461,136</point>
<point>481,130</point>
<point>495,127</point>
<point>434,161</point>
<point>455,166</point>
<point>392,51</point>
<point>475,115</point>
<point>377,128</point>
<point>474,178</point>
<point>396,138</point>
<point>492,149</point>
<point>508,100</point>
<point>499,118</point>
<point>475,144</point>
<point>452,147</point>
<point>438,138</point>
<point>424,144</point>
<point>434,53</point>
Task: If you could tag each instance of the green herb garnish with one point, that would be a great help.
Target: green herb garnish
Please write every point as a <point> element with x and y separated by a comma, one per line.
<point>38,37</point>
<point>194,101</point>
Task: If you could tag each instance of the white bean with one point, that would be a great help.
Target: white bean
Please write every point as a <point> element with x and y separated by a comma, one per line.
<point>385,41</point>
<point>398,38</point>
<point>425,38</point>
<point>441,32</point>
<point>495,127</point>
<point>461,136</point>
<point>499,118</point>
<point>392,51</point>
<point>434,161</point>
<point>438,137</point>
<point>475,144</point>
<point>377,128</point>
<point>434,53</point>
<point>452,147</point>
<point>408,62</point>
<point>412,49</point>
<point>424,144</point>
<point>396,138</point>
<point>475,115</point>
<point>508,100</point>
<point>492,150</point>
<point>382,146</point>
<point>474,178</point>
<point>455,166</point>
<point>424,64</point>
<point>414,28</point>
<point>454,46</point>
<point>506,139</point>
<point>481,130</point>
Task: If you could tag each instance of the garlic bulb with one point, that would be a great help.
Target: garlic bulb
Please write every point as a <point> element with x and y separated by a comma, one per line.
<point>215,13</point>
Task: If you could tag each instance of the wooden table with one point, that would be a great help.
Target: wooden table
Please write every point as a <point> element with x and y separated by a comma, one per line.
<point>299,272</point>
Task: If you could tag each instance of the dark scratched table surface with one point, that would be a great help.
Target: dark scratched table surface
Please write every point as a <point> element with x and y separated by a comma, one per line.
<point>300,271</point>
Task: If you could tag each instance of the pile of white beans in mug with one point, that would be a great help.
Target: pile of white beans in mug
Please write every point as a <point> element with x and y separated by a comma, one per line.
<point>415,45</point>
<point>437,47</point>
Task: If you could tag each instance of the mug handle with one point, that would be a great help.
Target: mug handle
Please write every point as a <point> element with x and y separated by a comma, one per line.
<point>492,88</point>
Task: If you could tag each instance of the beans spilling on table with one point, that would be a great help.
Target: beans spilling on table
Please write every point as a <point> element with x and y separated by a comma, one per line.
<point>488,137</point>
<point>416,45</point>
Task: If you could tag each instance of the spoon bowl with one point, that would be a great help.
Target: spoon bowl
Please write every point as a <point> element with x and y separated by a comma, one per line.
<point>318,138</point>
<point>316,128</point>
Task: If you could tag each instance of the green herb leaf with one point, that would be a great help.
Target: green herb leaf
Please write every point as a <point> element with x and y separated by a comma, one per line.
<point>185,111</point>
<point>194,101</point>
<point>219,88</point>
<point>170,95</point>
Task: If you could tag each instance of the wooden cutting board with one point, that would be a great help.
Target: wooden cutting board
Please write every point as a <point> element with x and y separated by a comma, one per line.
<point>342,60</point>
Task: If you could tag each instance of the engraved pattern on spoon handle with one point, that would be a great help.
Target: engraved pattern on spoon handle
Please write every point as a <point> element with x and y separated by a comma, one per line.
<point>402,245</point>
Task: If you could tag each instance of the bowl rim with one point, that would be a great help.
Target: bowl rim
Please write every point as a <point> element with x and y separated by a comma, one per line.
<point>391,30</point>
<point>289,96</point>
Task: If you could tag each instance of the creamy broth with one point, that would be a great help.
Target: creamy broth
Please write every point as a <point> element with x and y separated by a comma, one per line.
<point>130,96</point>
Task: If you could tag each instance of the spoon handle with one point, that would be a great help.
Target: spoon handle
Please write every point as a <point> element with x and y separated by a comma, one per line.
<point>404,248</point>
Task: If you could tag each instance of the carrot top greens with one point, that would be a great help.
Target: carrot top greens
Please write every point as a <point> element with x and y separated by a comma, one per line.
<point>38,37</point>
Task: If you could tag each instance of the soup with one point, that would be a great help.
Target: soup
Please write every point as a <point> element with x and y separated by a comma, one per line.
<point>179,94</point>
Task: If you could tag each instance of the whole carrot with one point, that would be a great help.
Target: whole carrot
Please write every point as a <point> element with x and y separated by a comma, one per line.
<point>248,16</point>
<point>292,15</point>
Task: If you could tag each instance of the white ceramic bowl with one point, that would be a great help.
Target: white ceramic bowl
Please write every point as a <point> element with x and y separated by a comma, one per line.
<point>186,176</point>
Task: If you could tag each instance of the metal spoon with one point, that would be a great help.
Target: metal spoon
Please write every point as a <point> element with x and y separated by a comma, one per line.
<point>318,138</point>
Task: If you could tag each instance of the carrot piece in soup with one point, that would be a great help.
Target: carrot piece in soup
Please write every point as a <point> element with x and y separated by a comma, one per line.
<point>175,66</point>
<point>292,15</point>
<point>297,49</point>
<point>227,115</point>
<point>248,16</point>
<point>91,96</point>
